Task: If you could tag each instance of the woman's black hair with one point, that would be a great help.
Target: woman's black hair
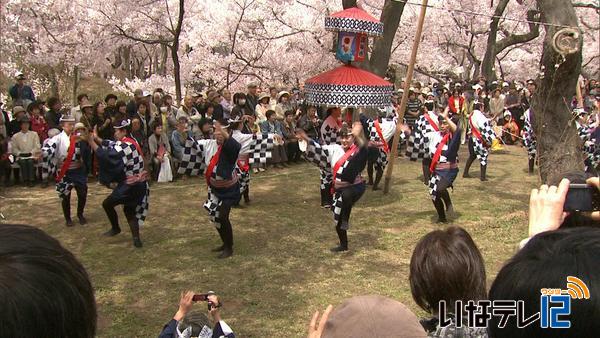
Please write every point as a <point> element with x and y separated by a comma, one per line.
<point>45,290</point>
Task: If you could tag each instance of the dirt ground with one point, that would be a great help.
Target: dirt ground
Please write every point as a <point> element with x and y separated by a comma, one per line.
<point>282,270</point>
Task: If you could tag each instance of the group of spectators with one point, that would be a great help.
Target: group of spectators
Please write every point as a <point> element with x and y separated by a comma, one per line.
<point>43,283</point>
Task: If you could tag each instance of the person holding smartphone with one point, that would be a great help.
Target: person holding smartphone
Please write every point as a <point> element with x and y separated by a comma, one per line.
<point>188,323</point>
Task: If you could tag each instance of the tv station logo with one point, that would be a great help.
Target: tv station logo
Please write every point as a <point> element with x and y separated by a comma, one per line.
<point>555,307</point>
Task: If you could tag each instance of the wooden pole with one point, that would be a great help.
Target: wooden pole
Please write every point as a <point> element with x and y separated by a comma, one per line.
<point>409,74</point>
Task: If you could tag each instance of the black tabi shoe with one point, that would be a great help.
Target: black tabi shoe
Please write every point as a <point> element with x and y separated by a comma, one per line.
<point>375,188</point>
<point>326,206</point>
<point>339,248</point>
<point>450,211</point>
<point>82,220</point>
<point>442,220</point>
<point>137,242</point>
<point>69,223</point>
<point>219,249</point>
<point>112,232</point>
<point>227,252</point>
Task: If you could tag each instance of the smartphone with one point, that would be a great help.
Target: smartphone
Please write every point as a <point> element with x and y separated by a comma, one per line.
<point>580,197</point>
<point>203,297</point>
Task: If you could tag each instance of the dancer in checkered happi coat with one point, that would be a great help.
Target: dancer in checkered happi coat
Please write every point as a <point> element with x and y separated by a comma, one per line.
<point>418,143</point>
<point>255,148</point>
<point>443,150</point>
<point>220,157</point>
<point>121,164</point>
<point>529,139</point>
<point>589,133</point>
<point>65,156</point>
<point>378,132</point>
<point>346,162</point>
<point>481,137</point>
<point>329,135</point>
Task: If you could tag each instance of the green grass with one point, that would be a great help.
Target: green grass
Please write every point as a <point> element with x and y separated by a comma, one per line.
<point>282,270</point>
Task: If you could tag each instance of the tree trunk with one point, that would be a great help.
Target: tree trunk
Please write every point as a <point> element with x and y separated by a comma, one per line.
<point>487,67</point>
<point>175,51</point>
<point>382,50</point>
<point>493,47</point>
<point>75,84</point>
<point>163,60</point>
<point>558,142</point>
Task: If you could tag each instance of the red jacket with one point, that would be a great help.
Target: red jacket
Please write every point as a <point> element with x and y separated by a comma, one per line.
<point>452,104</point>
<point>39,125</point>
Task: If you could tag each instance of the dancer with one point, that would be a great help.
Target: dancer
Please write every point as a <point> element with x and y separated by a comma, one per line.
<point>329,135</point>
<point>378,132</point>
<point>529,140</point>
<point>121,163</point>
<point>481,137</point>
<point>255,148</point>
<point>65,156</point>
<point>418,143</point>
<point>346,162</point>
<point>219,156</point>
<point>443,150</point>
<point>589,133</point>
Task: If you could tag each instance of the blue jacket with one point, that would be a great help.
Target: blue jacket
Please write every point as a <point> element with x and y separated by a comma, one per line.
<point>274,128</point>
<point>23,93</point>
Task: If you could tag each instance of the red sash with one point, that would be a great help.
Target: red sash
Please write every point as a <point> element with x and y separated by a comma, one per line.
<point>380,134</point>
<point>67,163</point>
<point>340,162</point>
<point>438,152</point>
<point>476,132</point>
<point>433,124</point>
<point>243,165</point>
<point>211,166</point>
<point>134,142</point>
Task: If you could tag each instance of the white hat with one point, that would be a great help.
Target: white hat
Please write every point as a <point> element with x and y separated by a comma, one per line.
<point>146,93</point>
<point>124,123</point>
<point>505,84</point>
<point>507,113</point>
<point>477,86</point>
<point>281,93</point>
<point>67,118</point>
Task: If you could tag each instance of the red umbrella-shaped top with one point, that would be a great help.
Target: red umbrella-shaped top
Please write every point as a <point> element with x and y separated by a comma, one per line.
<point>348,86</point>
<point>354,20</point>
<point>348,75</point>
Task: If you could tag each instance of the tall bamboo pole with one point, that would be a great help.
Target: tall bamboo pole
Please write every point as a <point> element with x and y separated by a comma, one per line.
<point>409,74</point>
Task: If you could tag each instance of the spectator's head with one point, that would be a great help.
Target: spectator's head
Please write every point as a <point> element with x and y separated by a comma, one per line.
<point>87,108</point>
<point>54,103</point>
<point>531,86</point>
<point>193,324</point>
<point>18,112</point>
<point>20,78</point>
<point>252,88</point>
<point>138,94</point>
<point>82,98</point>
<point>226,94</point>
<point>182,124</point>
<point>214,97</point>
<point>239,99</point>
<point>289,116</point>
<point>136,124</point>
<point>545,262</point>
<point>110,100</point>
<point>156,98</point>
<point>121,107</point>
<point>446,265</point>
<point>412,95</point>
<point>270,114</point>
<point>273,92</point>
<point>143,108</point>
<point>188,101</point>
<point>123,128</point>
<point>206,126</point>
<point>372,316</point>
<point>45,291</point>
<point>263,99</point>
<point>312,111</point>
<point>24,124</point>
<point>34,108</point>
<point>157,127</point>
<point>99,109</point>
<point>167,100</point>
<point>283,97</point>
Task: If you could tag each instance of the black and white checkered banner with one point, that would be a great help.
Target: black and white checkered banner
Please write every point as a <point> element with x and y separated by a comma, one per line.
<point>353,96</point>
<point>354,25</point>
